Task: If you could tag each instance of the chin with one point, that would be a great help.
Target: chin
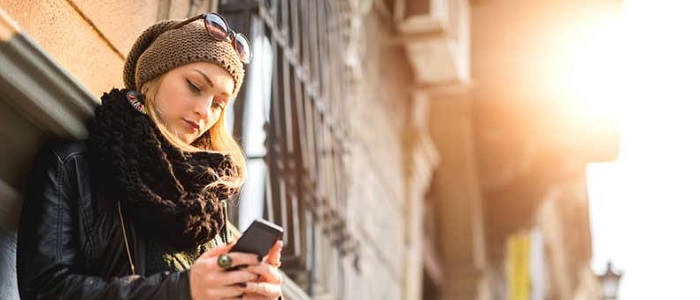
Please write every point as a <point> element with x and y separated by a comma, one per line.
<point>189,141</point>
<point>185,138</point>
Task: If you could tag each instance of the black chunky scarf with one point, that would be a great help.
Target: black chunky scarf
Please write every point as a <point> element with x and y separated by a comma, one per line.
<point>162,188</point>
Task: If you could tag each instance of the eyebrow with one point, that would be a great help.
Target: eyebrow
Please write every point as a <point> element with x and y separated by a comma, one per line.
<point>210,83</point>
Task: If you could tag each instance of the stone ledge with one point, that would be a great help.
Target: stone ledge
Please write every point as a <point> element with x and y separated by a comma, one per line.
<point>34,85</point>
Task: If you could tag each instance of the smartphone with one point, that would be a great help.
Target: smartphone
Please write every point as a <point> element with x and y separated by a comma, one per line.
<point>258,238</point>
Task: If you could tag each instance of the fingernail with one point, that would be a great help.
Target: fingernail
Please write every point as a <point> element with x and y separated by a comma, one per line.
<point>241,284</point>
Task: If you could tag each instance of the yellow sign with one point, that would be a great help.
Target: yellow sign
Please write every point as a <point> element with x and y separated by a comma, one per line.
<point>519,267</point>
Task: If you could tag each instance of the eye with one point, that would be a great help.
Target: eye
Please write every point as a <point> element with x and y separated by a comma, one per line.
<point>193,87</point>
<point>219,104</point>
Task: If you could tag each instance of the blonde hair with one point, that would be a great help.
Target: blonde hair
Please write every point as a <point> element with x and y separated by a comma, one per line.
<point>220,140</point>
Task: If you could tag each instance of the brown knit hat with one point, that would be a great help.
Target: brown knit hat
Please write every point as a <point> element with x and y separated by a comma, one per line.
<point>159,50</point>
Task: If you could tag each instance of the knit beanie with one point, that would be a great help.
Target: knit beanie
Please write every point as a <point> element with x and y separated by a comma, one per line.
<point>160,49</point>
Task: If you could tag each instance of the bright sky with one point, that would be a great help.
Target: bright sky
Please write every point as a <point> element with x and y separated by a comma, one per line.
<point>645,206</point>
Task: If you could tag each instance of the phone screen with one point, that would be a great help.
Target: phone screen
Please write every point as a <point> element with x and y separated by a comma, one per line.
<point>258,238</point>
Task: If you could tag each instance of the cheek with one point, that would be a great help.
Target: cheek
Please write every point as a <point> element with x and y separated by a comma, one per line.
<point>174,108</point>
<point>165,114</point>
<point>169,116</point>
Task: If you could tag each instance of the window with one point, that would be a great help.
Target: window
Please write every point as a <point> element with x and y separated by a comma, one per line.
<point>291,118</point>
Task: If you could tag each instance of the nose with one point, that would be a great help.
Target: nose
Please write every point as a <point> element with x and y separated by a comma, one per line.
<point>202,107</point>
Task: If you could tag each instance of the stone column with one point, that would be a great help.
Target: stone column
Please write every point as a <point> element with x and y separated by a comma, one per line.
<point>421,160</point>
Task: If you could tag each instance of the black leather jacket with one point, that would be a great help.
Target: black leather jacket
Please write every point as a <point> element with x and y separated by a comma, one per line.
<point>70,240</point>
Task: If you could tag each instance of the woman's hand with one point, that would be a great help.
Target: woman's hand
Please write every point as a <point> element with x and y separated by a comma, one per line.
<point>269,279</point>
<point>209,281</point>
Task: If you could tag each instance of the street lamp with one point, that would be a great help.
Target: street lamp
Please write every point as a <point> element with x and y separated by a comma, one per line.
<point>610,282</point>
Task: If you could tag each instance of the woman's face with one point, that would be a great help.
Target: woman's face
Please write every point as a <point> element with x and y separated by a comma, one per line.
<point>191,98</point>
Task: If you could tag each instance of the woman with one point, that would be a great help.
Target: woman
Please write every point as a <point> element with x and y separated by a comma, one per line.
<point>139,210</point>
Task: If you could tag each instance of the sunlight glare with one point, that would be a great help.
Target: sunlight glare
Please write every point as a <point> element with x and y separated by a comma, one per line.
<point>644,205</point>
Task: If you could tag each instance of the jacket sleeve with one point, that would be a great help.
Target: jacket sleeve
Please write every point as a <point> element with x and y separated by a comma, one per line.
<point>48,251</point>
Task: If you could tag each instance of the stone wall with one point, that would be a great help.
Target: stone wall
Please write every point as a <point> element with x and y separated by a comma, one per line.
<point>90,39</point>
<point>387,160</point>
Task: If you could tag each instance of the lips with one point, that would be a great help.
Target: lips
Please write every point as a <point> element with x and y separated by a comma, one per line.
<point>193,125</point>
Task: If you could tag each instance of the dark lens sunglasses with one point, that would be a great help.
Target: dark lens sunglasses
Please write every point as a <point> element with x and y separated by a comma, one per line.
<point>218,28</point>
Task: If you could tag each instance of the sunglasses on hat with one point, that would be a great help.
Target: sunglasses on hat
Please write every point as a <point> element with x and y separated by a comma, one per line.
<point>218,28</point>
